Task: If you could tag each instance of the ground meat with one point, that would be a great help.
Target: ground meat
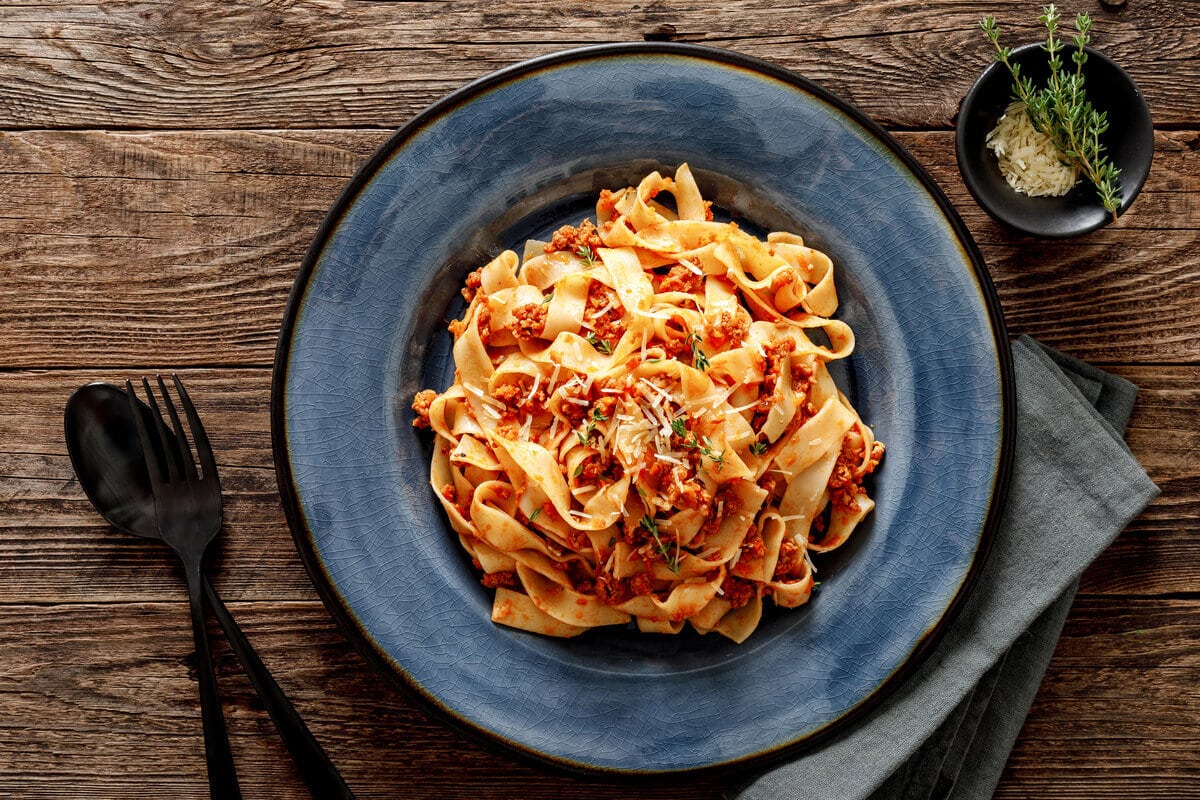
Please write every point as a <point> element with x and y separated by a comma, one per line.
<point>450,493</point>
<point>474,281</point>
<point>574,412</point>
<point>684,492</point>
<point>507,579</point>
<point>846,481</point>
<point>483,320</point>
<point>724,505</point>
<point>529,321</point>
<point>578,541</point>
<point>708,215</point>
<point>612,591</point>
<point>753,545</point>
<point>642,583</point>
<point>605,406</point>
<point>591,469</point>
<point>727,330</point>
<point>782,278</point>
<point>456,327</point>
<point>573,239</point>
<point>737,591</point>
<point>676,345</point>
<point>801,375</point>
<point>681,279</point>
<point>790,561</point>
<point>610,325</point>
<point>420,404</point>
<point>768,390</point>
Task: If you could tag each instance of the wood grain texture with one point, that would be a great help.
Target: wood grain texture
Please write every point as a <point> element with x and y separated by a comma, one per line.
<point>128,692</point>
<point>164,167</point>
<point>343,64</point>
<point>181,248</point>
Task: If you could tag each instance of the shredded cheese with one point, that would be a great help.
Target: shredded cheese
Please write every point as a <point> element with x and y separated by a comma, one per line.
<point>1028,158</point>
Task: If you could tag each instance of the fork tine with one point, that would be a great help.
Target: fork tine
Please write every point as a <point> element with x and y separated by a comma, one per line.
<point>208,462</point>
<point>153,467</point>
<point>169,441</point>
<point>183,452</point>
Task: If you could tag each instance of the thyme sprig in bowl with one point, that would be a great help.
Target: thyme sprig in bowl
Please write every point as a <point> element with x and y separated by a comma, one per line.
<point>1092,111</point>
<point>1061,110</point>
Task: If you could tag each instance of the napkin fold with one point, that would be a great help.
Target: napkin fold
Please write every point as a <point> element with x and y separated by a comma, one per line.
<point>946,732</point>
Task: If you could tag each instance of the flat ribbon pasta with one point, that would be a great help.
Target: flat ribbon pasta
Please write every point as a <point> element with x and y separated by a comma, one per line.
<point>642,426</point>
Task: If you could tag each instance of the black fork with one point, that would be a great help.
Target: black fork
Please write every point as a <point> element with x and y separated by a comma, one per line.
<point>188,504</point>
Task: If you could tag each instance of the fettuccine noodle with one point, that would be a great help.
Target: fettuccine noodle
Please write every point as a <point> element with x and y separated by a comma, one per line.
<point>642,426</point>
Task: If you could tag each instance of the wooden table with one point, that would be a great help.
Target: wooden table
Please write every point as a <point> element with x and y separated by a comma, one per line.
<point>163,167</point>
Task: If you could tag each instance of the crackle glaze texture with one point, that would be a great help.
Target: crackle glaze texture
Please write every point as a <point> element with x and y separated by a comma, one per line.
<point>516,157</point>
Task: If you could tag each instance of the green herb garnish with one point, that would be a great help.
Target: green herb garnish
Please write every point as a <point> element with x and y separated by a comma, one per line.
<point>534,515</point>
<point>758,448</point>
<point>585,435</point>
<point>704,445</point>
<point>600,344</point>
<point>651,526</point>
<point>1060,109</point>
<point>699,358</point>
<point>584,253</point>
<point>547,298</point>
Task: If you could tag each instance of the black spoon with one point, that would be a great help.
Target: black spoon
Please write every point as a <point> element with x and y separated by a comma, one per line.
<point>103,444</point>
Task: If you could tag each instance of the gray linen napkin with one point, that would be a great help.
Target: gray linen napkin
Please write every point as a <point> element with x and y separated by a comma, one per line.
<point>1075,486</point>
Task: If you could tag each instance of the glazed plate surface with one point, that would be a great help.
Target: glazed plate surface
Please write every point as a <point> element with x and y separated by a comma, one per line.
<point>515,155</point>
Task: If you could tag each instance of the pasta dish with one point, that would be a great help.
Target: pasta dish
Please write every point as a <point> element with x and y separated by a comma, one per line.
<point>642,426</point>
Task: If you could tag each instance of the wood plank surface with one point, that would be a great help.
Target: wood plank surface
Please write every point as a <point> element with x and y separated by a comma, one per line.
<point>193,241</point>
<point>164,167</point>
<point>330,64</point>
<point>85,687</point>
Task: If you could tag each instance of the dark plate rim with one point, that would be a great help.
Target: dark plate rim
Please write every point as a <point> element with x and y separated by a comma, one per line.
<point>302,536</point>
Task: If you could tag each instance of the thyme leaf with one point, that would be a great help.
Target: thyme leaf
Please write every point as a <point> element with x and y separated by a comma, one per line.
<point>584,253</point>
<point>1060,109</point>
<point>650,525</point>
<point>600,344</point>
<point>699,357</point>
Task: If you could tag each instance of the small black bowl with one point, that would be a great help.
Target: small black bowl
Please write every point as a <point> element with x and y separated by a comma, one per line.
<point>1129,142</point>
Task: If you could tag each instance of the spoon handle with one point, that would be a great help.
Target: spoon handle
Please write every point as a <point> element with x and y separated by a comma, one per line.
<point>222,778</point>
<point>317,771</point>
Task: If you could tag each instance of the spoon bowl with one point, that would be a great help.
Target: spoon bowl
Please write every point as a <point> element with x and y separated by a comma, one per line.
<point>102,441</point>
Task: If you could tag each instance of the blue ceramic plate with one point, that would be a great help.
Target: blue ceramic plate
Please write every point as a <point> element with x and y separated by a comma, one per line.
<point>515,155</point>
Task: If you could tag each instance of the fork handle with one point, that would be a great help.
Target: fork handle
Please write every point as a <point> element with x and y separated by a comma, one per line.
<point>317,771</point>
<point>222,778</point>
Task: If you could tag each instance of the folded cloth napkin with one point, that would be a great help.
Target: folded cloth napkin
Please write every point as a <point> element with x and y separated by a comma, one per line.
<point>946,732</point>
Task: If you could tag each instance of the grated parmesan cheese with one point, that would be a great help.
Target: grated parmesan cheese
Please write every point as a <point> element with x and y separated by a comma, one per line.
<point>1028,158</point>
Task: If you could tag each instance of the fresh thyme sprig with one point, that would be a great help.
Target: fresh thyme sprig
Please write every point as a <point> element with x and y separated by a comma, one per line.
<point>704,444</point>
<point>758,448</point>
<point>601,345</point>
<point>699,357</point>
<point>650,525</point>
<point>1061,109</point>
<point>585,436</point>
<point>584,252</point>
